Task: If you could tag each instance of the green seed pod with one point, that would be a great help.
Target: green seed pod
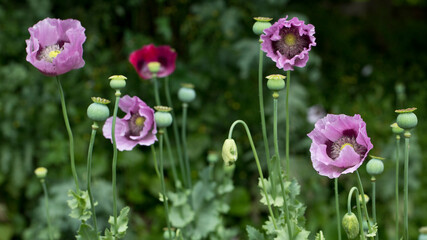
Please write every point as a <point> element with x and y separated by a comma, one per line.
<point>375,166</point>
<point>154,67</point>
<point>212,157</point>
<point>261,24</point>
<point>166,234</point>
<point>162,116</point>
<point>98,111</point>
<point>229,152</point>
<point>40,172</point>
<point>117,82</point>
<point>350,225</point>
<point>186,93</point>
<point>406,118</point>
<point>276,82</point>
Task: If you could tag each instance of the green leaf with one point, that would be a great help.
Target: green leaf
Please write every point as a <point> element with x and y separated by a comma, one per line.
<point>254,234</point>
<point>108,235</point>
<point>181,215</point>
<point>319,236</point>
<point>86,232</point>
<point>119,230</point>
<point>80,205</point>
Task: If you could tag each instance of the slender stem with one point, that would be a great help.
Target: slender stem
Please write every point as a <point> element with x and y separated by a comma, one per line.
<point>374,211</point>
<point>153,152</point>
<point>70,134</point>
<point>405,182</point>
<point>359,212</point>
<point>279,168</point>
<point>46,199</point>
<point>261,110</point>
<point>337,208</point>
<point>184,143</point>
<point>156,90</point>
<point>273,219</point>
<point>288,85</point>
<point>175,130</point>
<point>89,175</point>
<point>114,165</point>
<point>397,185</point>
<point>365,208</point>
<point>162,180</point>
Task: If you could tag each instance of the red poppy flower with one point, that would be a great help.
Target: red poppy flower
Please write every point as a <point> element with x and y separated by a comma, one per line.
<point>165,55</point>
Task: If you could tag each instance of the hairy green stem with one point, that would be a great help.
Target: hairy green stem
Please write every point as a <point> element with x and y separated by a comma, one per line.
<point>337,208</point>
<point>374,211</point>
<point>184,144</point>
<point>405,183</point>
<point>70,134</point>
<point>175,131</point>
<point>397,185</point>
<point>230,133</point>
<point>288,85</point>
<point>89,175</point>
<point>359,212</point>
<point>114,165</point>
<point>279,169</point>
<point>46,200</point>
<point>162,181</point>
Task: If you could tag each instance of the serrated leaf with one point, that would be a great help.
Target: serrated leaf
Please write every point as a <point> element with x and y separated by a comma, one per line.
<point>181,215</point>
<point>86,232</point>
<point>80,205</point>
<point>319,236</point>
<point>108,235</point>
<point>254,234</point>
<point>119,230</point>
<point>372,232</point>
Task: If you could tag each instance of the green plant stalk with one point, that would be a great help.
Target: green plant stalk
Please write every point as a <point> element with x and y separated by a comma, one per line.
<point>168,146</point>
<point>184,144</point>
<point>230,133</point>
<point>114,165</point>
<point>46,200</point>
<point>405,190</point>
<point>70,134</point>
<point>279,169</point>
<point>153,152</point>
<point>89,175</point>
<point>175,131</point>
<point>374,211</point>
<point>359,212</point>
<point>288,85</point>
<point>397,185</point>
<point>363,200</point>
<point>162,181</point>
<point>337,208</point>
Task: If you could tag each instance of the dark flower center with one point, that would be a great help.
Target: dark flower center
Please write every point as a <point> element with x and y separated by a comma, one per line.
<point>136,124</point>
<point>340,144</point>
<point>291,43</point>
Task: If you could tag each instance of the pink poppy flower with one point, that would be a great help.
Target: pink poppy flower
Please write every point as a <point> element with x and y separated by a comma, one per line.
<point>164,55</point>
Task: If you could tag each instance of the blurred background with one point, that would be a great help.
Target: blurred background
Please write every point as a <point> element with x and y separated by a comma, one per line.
<point>370,59</point>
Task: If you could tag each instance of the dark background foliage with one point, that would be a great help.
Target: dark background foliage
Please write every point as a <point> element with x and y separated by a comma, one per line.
<point>370,59</point>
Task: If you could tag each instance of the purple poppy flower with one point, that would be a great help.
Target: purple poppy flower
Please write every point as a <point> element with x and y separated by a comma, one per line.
<point>136,127</point>
<point>340,144</point>
<point>164,55</point>
<point>56,46</point>
<point>287,42</point>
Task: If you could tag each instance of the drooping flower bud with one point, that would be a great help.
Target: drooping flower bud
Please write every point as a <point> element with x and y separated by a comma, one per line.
<point>350,225</point>
<point>396,129</point>
<point>229,152</point>
<point>40,172</point>
<point>406,118</point>
<point>261,24</point>
<point>98,110</point>
<point>375,166</point>
<point>162,116</point>
<point>117,82</point>
<point>186,93</point>
<point>276,82</point>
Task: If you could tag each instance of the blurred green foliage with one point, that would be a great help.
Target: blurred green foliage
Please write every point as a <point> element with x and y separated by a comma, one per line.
<point>370,59</point>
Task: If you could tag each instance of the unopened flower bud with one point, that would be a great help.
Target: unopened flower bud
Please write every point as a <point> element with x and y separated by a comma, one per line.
<point>186,93</point>
<point>396,129</point>
<point>212,156</point>
<point>162,116</point>
<point>261,24</point>
<point>366,198</point>
<point>350,225</point>
<point>276,82</point>
<point>375,166</point>
<point>117,82</point>
<point>229,152</point>
<point>98,110</point>
<point>40,172</point>
<point>166,234</point>
<point>154,67</point>
<point>406,118</point>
